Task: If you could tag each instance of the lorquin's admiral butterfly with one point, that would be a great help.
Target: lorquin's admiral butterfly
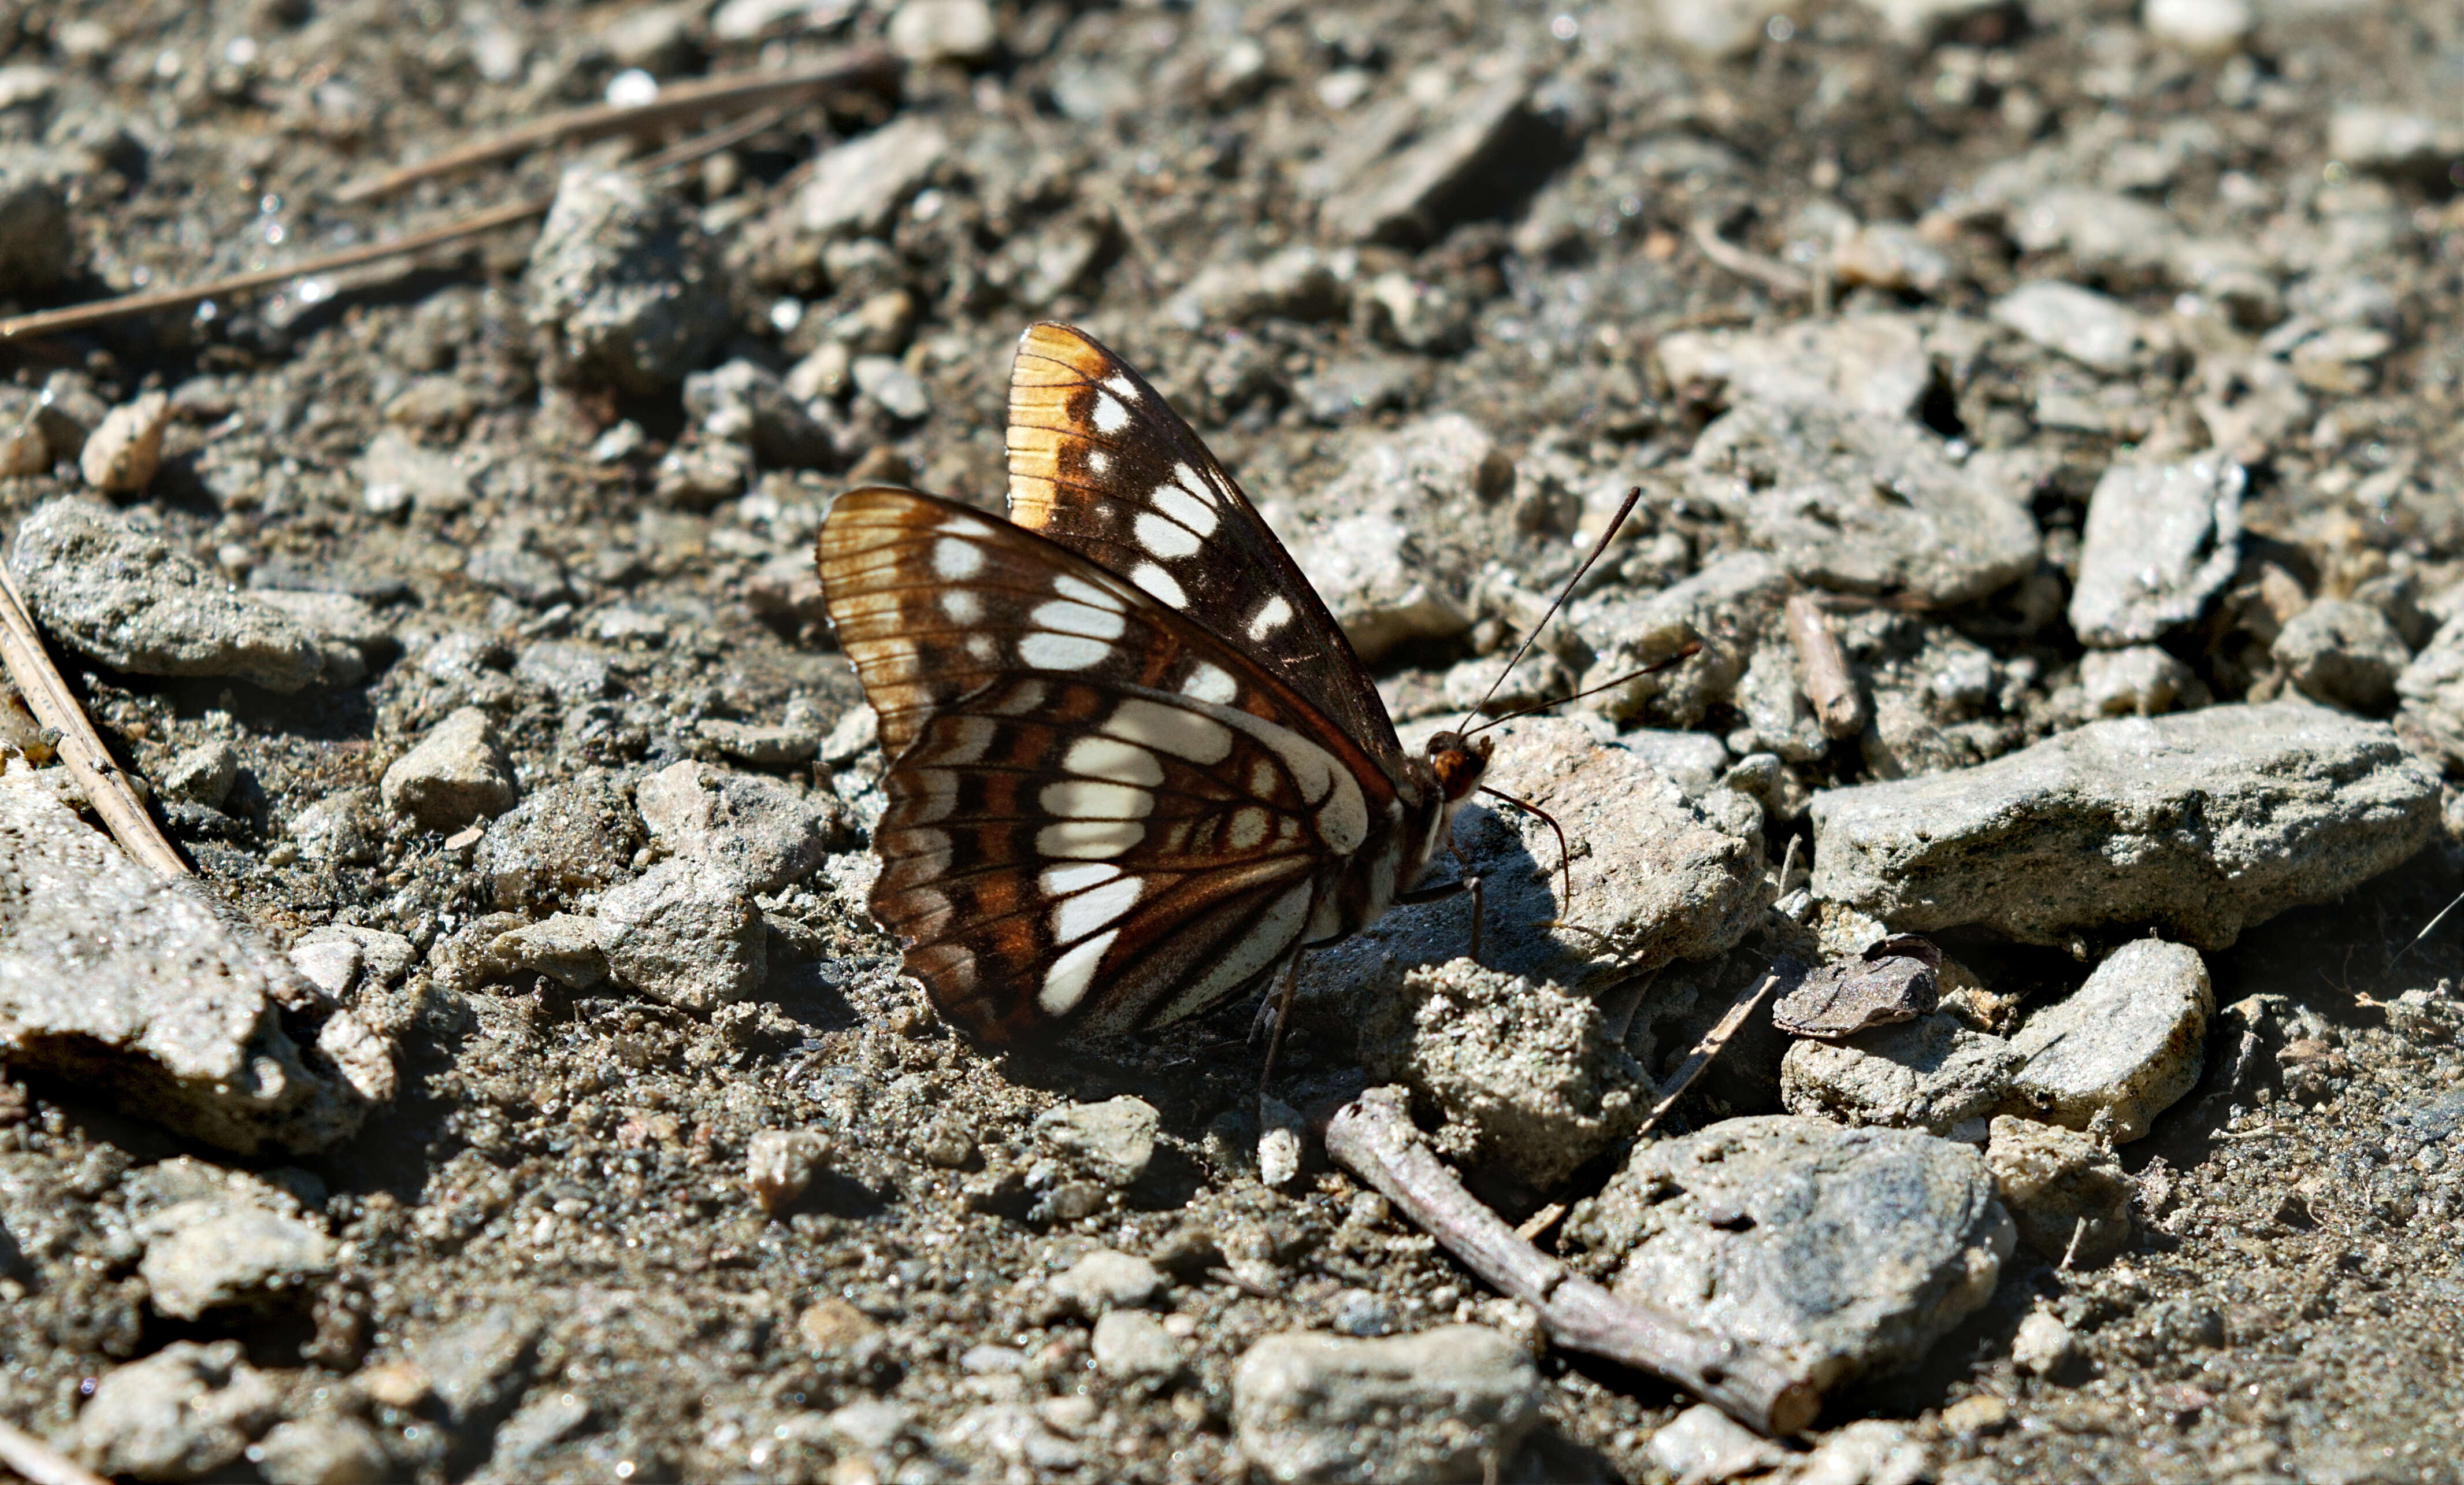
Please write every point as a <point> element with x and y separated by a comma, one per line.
<point>1135,768</point>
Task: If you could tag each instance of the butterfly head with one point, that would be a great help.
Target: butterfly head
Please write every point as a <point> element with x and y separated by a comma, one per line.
<point>1458,761</point>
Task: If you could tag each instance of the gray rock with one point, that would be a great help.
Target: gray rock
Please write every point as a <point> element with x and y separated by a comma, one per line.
<point>37,243</point>
<point>1850,1250</point>
<point>779,1165</point>
<point>1130,1345</point>
<point>745,403</point>
<point>398,474</point>
<point>456,775</point>
<point>943,30</point>
<point>2343,652</point>
<point>2102,230</point>
<point>340,830</point>
<point>1727,604</point>
<point>568,838</point>
<point>2141,681</point>
<point>857,186</point>
<point>1872,364</point>
<point>70,411</point>
<point>1409,195</point>
<point>1702,1444</point>
<point>684,938</point>
<point>1661,876</point>
<point>2432,691</point>
<point>2122,1048</point>
<point>1694,760</point>
<point>1869,1451</point>
<point>536,1427</point>
<point>2377,137</point>
<point>755,835</point>
<point>324,1451</point>
<point>1104,1280</point>
<point>1852,502</point>
<point>184,1411</point>
<point>563,947</point>
<point>2100,333</point>
<point>203,774</point>
<point>571,672</point>
<point>1447,1404</point>
<point>125,450</point>
<point>344,960</point>
<point>1297,282</point>
<point>1113,1140</point>
<point>341,619</point>
<point>761,746</point>
<point>2069,1196</point>
<point>214,1253</point>
<point>2201,823</point>
<point>2043,1344</point>
<point>1379,586</point>
<point>478,1367</point>
<point>623,285</point>
<point>136,990</point>
<point>2161,540</point>
<point>1347,387</point>
<point>1528,1078</point>
<point>893,387</point>
<point>518,572</point>
<point>123,594</point>
<point>1933,1074</point>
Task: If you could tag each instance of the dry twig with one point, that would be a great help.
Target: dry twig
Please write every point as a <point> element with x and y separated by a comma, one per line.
<point>39,1462</point>
<point>49,697</point>
<point>866,69</point>
<point>1837,704</point>
<point>1768,272</point>
<point>1709,1047</point>
<point>1372,1135</point>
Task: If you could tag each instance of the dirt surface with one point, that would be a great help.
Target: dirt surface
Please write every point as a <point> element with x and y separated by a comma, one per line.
<point>552,1223</point>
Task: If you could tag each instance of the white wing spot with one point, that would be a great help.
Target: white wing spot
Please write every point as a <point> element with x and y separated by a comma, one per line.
<point>980,647</point>
<point>1120,382</point>
<point>940,794</point>
<point>1211,684</point>
<point>1186,508</point>
<point>1164,538</point>
<point>1062,880</point>
<point>1194,482</point>
<point>1077,618</point>
<point>1171,729</point>
<point>1263,777</point>
<point>961,605</point>
<point>1086,592</point>
<point>1249,829</point>
<point>1110,417</point>
<point>1075,918</point>
<point>1089,840</point>
<point>1098,461</point>
<point>955,561</point>
<point>970,738</point>
<point>1154,580</point>
<point>1271,617</point>
<point>1066,983</point>
<point>1086,799</point>
<point>1061,652</point>
<point>1113,760</point>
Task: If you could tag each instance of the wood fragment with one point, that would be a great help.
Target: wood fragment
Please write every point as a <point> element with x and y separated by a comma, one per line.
<point>1540,1222</point>
<point>39,1462</point>
<point>1770,273</point>
<point>1374,1137</point>
<point>1824,666</point>
<point>1709,1047</point>
<point>56,706</point>
<point>863,69</point>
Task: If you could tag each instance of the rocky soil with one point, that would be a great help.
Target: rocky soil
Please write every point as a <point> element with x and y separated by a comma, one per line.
<point>2046,421</point>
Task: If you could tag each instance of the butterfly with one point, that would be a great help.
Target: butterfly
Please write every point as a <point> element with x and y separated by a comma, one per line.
<point>1135,768</point>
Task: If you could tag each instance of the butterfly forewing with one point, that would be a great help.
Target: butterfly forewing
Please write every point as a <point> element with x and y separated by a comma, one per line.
<point>1098,812</point>
<point>1100,463</point>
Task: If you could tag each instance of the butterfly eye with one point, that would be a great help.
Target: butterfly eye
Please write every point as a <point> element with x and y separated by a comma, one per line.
<point>1458,763</point>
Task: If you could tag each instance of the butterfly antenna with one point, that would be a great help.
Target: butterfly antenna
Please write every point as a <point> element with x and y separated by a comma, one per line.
<point>1693,647</point>
<point>1616,524</point>
<point>1564,853</point>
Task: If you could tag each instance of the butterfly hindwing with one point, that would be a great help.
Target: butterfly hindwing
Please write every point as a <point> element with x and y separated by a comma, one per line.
<point>1100,463</point>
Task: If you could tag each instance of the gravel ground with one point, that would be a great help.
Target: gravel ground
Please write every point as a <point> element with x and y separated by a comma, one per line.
<point>2098,362</point>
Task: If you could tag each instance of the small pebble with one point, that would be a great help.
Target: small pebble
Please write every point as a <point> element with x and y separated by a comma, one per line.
<point>779,1165</point>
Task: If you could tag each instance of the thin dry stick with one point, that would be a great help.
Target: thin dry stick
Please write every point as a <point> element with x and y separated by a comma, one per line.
<point>1837,702</point>
<point>39,1462</point>
<point>1709,1047</point>
<point>866,68</point>
<point>1768,272</point>
<point>1374,1137</point>
<point>49,697</point>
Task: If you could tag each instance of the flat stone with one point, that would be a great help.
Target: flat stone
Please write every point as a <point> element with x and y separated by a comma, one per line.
<point>1528,1078</point>
<point>322,1450</point>
<point>1297,282</point>
<point>212,1254</point>
<point>571,837</point>
<point>2103,230</point>
<point>1869,1451</point>
<point>2200,824</point>
<point>203,774</point>
<point>1850,1250</point>
<point>1130,1345</point>
<point>1661,876</point>
<point>745,403</point>
<point>2122,1048</point>
<point>344,960</point>
<point>563,947</point>
<point>111,589</point>
<point>624,285</point>
<point>2141,680</point>
<point>2069,1196</point>
<point>137,990</point>
<point>1933,1073</point>
<point>518,572</point>
<point>1379,586</point>
<point>1410,194</point>
<point>1859,503</point>
<point>478,1367</point>
<point>1443,1404</point>
<point>2377,137</point>
<point>397,473</point>
<point>856,187</point>
<point>761,746</point>
<point>184,1411</point>
<point>1874,364</point>
<point>2161,540</point>
<point>1112,1140</point>
<point>1104,1280</point>
<point>2100,333</point>
<point>753,833</point>
<point>456,775</point>
<point>1704,1444</point>
<point>683,937</point>
<point>1694,760</point>
<point>2343,652</point>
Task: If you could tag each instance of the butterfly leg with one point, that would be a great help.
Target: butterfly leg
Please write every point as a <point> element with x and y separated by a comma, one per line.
<point>1276,1009</point>
<point>1469,881</point>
